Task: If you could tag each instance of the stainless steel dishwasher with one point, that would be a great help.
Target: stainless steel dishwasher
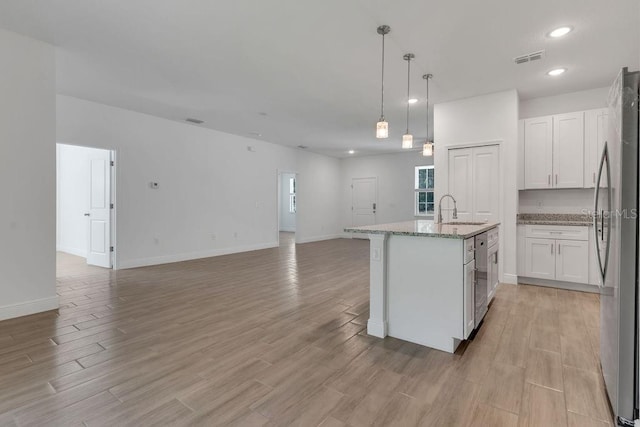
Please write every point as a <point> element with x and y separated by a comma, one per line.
<point>482,269</point>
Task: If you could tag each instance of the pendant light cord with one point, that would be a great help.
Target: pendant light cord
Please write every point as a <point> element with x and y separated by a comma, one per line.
<point>382,103</point>
<point>428,108</point>
<point>408,90</point>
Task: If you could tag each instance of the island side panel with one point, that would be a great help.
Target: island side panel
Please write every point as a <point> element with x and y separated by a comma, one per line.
<point>425,290</point>
<point>377,325</point>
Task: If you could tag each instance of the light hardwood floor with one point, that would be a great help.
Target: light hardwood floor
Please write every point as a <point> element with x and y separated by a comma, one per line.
<point>278,337</point>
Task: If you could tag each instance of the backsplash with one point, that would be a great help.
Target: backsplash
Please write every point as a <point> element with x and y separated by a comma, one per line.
<point>571,201</point>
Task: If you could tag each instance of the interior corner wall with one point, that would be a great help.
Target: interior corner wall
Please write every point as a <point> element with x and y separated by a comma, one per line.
<point>564,103</point>
<point>215,196</point>
<point>395,174</point>
<point>492,117</point>
<point>318,197</point>
<point>27,176</point>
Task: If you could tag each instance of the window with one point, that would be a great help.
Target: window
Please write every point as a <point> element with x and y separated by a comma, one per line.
<point>292,195</point>
<point>424,191</point>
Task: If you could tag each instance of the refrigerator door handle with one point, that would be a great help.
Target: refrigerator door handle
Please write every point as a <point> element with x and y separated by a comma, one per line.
<point>602,265</point>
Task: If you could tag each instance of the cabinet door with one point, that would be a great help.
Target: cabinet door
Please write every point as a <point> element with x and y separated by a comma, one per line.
<point>540,258</point>
<point>460,184</point>
<point>486,181</point>
<point>595,134</point>
<point>572,259</point>
<point>538,152</point>
<point>568,150</point>
<point>469,297</point>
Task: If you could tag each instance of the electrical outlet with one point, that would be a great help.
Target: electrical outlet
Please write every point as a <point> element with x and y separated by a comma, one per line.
<point>235,234</point>
<point>156,241</point>
<point>213,236</point>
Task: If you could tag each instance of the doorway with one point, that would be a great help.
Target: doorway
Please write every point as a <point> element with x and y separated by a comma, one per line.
<point>287,207</point>
<point>364,203</point>
<point>85,207</point>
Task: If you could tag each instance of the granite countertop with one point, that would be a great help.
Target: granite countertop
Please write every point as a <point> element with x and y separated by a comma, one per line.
<point>581,220</point>
<point>423,228</point>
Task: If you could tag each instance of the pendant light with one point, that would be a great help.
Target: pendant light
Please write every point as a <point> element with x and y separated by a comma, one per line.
<point>427,148</point>
<point>382,127</point>
<point>407,138</point>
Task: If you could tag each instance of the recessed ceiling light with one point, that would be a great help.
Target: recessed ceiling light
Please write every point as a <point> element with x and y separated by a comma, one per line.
<point>351,151</point>
<point>559,32</point>
<point>254,133</point>
<point>412,100</point>
<point>557,71</point>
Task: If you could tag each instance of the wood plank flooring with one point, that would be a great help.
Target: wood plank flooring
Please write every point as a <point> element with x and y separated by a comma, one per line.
<point>278,337</point>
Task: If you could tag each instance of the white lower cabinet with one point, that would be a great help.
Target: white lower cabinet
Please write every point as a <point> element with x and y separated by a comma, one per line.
<point>572,257</point>
<point>540,258</point>
<point>556,253</point>
<point>469,297</point>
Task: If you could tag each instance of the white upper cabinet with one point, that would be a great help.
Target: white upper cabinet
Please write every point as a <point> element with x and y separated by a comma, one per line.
<point>556,150</point>
<point>568,150</point>
<point>595,125</point>
<point>538,152</point>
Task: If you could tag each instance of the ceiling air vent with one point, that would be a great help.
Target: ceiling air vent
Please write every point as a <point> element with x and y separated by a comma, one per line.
<point>534,56</point>
<point>196,121</point>
<point>304,147</point>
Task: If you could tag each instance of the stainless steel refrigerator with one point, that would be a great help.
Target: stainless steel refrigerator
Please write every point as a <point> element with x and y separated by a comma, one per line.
<point>616,241</point>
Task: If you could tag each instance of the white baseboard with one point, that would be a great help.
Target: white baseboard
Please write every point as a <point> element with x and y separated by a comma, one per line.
<point>377,328</point>
<point>509,278</point>
<point>288,229</point>
<point>73,251</point>
<point>320,238</point>
<point>167,259</point>
<point>28,307</point>
<point>582,287</point>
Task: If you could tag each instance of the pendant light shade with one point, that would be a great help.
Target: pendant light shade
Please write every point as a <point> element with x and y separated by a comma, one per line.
<point>407,141</point>
<point>382,127</point>
<point>407,138</point>
<point>427,147</point>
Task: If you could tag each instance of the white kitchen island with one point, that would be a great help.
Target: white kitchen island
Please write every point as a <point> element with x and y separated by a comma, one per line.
<point>422,277</point>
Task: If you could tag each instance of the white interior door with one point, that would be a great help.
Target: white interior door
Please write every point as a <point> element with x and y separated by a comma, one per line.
<point>486,183</point>
<point>460,184</point>
<point>99,215</point>
<point>364,194</point>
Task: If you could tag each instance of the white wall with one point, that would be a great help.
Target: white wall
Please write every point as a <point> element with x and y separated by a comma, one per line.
<point>214,197</point>
<point>73,174</point>
<point>396,181</point>
<point>27,176</point>
<point>492,117</point>
<point>318,197</point>
<point>565,103</point>
<point>287,219</point>
<point>569,201</point>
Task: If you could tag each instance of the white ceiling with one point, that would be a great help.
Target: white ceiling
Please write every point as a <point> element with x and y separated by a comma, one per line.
<point>314,66</point>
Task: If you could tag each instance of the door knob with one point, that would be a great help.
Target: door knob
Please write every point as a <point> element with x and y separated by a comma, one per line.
<point>87,214</point>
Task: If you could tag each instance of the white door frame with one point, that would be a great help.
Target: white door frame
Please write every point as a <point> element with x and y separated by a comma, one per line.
<point>113,216</point>
<point>279,173</point>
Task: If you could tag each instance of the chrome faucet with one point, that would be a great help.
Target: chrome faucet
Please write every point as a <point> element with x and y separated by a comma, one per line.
<point>455,208</point>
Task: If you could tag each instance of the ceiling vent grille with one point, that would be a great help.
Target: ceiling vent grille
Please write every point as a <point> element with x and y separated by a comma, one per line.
<point>196,121</point>
<point>534,56</point>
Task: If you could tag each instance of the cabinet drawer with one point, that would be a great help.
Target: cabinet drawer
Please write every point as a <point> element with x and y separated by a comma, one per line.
<point>557,232</point>
<point>492,237</point>
<point>469,249</point>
